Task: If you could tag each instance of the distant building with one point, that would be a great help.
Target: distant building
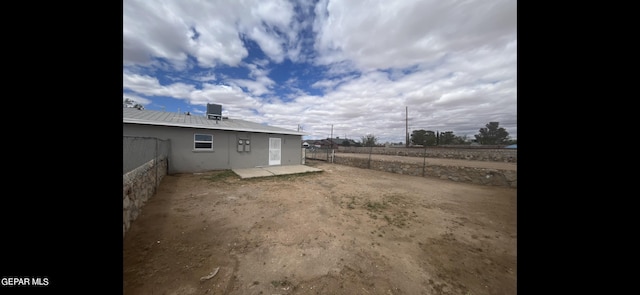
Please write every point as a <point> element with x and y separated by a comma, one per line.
<point>331,143</point>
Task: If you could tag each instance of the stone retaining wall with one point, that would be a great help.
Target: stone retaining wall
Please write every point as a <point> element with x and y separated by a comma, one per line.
<point>138,186</point>
<point>481,176</point>
<point>475,154</point>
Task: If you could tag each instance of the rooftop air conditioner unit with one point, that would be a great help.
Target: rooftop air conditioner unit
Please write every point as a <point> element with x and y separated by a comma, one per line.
<point>214,111</point>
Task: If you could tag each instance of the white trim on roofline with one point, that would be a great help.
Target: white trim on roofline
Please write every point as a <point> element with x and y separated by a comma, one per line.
<point>145,122</point>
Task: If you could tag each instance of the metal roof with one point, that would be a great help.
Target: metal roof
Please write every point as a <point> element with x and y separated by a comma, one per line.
<point>148,117</point>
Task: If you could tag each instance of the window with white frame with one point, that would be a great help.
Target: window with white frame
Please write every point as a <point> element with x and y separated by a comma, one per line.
<point>203,142</point>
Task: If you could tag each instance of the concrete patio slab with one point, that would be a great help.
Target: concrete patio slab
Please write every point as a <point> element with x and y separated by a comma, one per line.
<point>273,170</point>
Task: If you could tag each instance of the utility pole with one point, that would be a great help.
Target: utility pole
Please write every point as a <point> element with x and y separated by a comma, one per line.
<point>331,148</point>
<point>331,136</point>
<point>407,125</point>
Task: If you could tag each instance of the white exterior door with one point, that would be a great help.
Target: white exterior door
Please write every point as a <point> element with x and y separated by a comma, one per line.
<point>275,149</point>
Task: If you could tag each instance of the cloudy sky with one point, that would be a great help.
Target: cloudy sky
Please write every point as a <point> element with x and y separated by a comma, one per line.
<point>354,67</point>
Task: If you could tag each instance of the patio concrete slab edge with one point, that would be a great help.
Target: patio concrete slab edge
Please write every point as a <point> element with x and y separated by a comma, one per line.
<point>273,170</point>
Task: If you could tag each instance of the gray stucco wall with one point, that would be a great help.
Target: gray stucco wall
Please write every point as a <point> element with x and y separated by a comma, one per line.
<point>225,155</point>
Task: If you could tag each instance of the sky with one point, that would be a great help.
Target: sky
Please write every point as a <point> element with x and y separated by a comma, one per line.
<point>342,68</point>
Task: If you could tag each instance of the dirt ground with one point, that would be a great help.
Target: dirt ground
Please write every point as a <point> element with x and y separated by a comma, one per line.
<point>345,230</point>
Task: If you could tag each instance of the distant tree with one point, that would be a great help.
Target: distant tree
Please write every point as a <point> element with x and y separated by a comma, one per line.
<point>492,134</point>
<point>128,103</point>
<point>446,137</point>
<point>461,139</point>
<point>346,143</point>
<point>430,138</point>
<point>418,137</point>
<point>369,140</point>
<point>423,137</point>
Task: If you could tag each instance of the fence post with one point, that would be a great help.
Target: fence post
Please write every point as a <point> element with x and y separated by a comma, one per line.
<point>424,159</point>
<point>156,163</point>
<point>369,163</point>
<point>168,150</point>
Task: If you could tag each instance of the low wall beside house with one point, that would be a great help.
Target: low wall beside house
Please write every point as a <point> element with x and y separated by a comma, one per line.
<point>483,176</point>
<point>138,185</point>
<point>474,154</point>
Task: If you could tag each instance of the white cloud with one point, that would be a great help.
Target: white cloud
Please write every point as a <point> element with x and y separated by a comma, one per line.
<point>456,97</point>
<point>147,85</point>
<point>452,63</point>
<point>152,29</point>
<point>210,77</point>
<point>261,83</point>
<point>232,97</point>
<point>210,31</point>
<point>255,87</point>
<point>136,98</point>
<point>386,34</point>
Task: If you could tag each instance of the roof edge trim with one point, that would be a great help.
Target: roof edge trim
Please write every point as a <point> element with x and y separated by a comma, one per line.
<point>142,122</point>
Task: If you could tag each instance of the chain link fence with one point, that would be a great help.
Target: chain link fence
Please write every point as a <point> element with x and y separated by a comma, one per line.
<point>324,154</point>
<point>137,151</point>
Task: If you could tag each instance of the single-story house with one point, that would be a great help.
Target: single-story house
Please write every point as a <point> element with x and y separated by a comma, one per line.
<point>214,142</point>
